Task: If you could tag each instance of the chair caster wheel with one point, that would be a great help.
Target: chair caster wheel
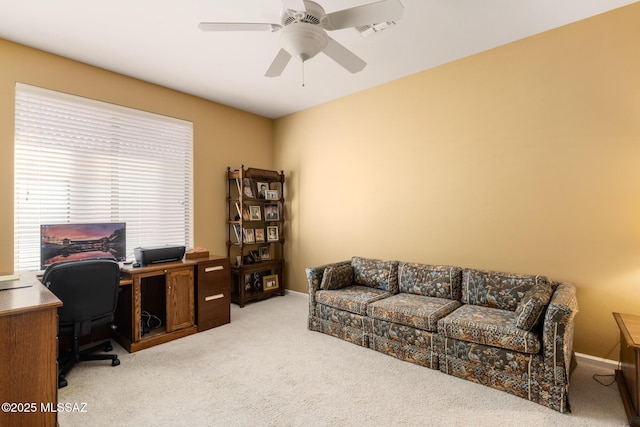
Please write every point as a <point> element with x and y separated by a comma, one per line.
<point>115,362</point>
<point>108,347</point>
<point>62,382</point>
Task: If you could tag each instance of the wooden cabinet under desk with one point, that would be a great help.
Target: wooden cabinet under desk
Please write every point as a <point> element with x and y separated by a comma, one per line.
<point>156,304</point>
<point>28,344</point>
<point>162,302</point>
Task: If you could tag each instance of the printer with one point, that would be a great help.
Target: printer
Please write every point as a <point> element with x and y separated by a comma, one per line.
<point>158,254</point>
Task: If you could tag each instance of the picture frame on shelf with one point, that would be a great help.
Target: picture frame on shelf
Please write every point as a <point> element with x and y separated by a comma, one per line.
<point>270,282</point>
<point>254,213</point>
<point>271,195</point>
<point>249,235</point>
<point>271,212</point>
<point>259,232</point>
<point>262,188</point>
<point>265,254</point>
<point>247,189</point>
<point>272,233</point>
<point>238,232</point>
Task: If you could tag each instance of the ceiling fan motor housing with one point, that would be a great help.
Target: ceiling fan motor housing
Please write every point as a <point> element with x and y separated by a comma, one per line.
<point>313,14</point>
<point>303,34</point>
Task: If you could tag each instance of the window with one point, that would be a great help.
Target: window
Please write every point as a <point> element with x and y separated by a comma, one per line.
<point>80,160</point>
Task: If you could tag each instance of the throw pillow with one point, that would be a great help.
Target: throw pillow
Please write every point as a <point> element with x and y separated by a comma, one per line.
<point>337,277</point>
<point>532,305</point>
<point>375,273</point>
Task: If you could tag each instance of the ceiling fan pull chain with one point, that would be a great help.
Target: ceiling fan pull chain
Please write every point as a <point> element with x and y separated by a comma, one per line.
<point>303,73</point>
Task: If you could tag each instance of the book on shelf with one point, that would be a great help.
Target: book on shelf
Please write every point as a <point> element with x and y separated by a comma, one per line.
<point>244,212</point>
<point>237,232</point>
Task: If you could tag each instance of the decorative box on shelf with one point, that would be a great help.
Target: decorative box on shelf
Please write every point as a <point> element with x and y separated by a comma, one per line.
<point>197,253</point>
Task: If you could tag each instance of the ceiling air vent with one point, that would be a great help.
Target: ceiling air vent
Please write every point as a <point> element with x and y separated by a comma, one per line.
<point>368,30</point>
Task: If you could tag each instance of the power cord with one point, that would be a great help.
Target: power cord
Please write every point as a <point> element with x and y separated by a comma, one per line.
<point>149,322</point>
<point>596,377</point>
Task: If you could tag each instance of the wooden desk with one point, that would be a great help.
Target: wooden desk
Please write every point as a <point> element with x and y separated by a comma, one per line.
<point>168,292</point>
<point>628,376</point>
<point>28,348</point>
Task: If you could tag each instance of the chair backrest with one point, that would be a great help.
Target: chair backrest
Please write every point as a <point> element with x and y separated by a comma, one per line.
<point>88,289</point>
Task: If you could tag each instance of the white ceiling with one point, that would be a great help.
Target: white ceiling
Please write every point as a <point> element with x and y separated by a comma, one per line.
<point>159,41</point>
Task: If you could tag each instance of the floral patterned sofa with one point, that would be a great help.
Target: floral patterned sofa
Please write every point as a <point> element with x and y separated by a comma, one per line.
<point>512,332</point>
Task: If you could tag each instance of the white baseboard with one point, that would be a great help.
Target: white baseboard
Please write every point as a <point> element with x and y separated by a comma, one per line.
<point>296,293</point>
<point>597,361</point>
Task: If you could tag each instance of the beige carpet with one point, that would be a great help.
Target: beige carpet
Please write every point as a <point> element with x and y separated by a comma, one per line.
<point>266,369</point>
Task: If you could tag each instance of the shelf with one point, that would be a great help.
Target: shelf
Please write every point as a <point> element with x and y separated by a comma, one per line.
<point>262,265</point>
<point>240,184</point>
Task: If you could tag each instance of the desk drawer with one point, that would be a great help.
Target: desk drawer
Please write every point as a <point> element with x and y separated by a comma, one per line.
<point>214,309</point>
<point>213,275</point>
<point>213,293</point>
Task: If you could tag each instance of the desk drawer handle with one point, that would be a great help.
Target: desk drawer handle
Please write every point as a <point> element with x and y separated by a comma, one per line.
<point>216,268</point>
<point>213,297</point>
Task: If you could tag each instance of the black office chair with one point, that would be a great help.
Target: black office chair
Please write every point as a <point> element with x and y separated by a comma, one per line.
<point>88,290</point>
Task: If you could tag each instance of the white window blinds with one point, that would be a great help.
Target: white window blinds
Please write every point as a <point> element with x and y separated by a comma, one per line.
<point>79,160</point>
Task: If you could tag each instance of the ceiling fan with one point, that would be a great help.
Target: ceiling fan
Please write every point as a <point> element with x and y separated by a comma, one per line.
<point>303,31</point>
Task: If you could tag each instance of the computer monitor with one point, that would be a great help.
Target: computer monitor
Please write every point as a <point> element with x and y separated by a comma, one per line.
<point>66,242</point>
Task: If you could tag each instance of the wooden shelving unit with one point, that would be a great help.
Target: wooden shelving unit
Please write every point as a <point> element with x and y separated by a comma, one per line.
<point>255,233</point>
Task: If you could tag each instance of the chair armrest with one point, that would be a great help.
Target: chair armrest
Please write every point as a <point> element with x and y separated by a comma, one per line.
<point>557,334</point>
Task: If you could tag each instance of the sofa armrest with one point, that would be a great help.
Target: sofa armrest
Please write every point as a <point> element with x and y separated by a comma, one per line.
<point>314,277</point>
<point>557,334</point>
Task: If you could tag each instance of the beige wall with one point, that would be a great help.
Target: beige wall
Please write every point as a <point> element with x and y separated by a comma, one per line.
<point>522,159</point>
<point>223,136</point>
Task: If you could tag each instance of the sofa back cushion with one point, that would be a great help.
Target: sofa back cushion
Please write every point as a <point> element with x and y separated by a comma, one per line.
<point>337,277</point>
<point>438,281</point>
<point>496,289</point>
<point>375,273</point>
<point>531,307</point>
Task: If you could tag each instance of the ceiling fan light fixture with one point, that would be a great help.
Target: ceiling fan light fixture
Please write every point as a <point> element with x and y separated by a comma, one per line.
<point>303,41</point>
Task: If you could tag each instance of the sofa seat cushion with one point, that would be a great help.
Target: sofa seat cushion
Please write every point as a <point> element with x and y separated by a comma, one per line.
<point>489,326</point>
<point>439,281</point>
<point>495,289</point>
<point>352,298</point>
<point>412,310</point>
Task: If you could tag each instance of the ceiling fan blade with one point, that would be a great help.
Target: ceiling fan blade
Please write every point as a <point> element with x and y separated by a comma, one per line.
<point>344,56</point>
<point>238,26</point>
<point>297,5</point>
<point>372,13</point>
<point>279,63</point>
